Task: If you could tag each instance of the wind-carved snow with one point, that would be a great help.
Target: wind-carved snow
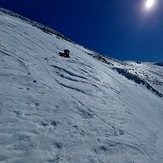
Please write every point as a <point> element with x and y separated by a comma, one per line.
<point>76,109</point>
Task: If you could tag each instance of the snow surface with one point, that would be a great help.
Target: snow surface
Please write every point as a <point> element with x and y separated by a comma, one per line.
<point>77,109</point>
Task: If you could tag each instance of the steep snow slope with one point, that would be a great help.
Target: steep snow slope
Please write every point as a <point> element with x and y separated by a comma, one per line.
<point>77,109</point>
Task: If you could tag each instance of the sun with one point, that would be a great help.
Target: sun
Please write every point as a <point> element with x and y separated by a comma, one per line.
<point>149,4</point>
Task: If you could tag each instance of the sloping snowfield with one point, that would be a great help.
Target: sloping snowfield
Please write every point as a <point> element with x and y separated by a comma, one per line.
<point>73,110</point>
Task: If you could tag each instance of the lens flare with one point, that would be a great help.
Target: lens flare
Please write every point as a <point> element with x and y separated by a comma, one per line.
<point>149,4</point>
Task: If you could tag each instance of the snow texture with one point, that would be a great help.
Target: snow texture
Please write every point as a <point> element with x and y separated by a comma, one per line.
<point>74,110</point>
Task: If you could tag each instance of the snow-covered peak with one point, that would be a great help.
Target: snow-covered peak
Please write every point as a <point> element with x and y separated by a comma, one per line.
<point>88,108</point>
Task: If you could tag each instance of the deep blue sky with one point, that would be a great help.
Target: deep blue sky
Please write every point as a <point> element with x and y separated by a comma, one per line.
<point>118,28</point>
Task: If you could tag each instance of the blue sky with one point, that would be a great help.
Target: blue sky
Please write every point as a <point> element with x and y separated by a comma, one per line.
<point>122,29</point>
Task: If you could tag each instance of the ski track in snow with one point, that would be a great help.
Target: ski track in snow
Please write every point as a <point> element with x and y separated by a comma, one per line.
<point>59,110</point>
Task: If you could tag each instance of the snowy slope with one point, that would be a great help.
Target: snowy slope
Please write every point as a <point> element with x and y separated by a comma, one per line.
<point>77,109</point>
